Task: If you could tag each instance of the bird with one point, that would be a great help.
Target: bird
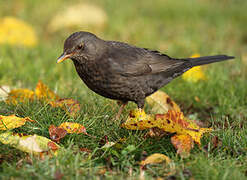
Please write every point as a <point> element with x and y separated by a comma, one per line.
<point>125,72</point>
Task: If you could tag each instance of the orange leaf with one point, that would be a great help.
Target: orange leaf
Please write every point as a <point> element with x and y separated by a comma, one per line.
<point>19,95</point>
<point>44,93</point>
<point>12,122</point>
<point>56,133</point>
<point>161,103</point>
<point>183,144</point>
<point>72,107</point>
<point>73,128</point>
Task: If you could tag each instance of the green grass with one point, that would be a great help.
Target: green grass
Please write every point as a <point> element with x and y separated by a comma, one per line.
<point>178,28</point>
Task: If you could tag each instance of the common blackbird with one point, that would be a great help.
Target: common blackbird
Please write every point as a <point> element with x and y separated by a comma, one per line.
<point>123,72</point>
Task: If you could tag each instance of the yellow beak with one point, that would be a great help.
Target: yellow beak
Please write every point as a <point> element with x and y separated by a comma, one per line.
<point>63,57</point>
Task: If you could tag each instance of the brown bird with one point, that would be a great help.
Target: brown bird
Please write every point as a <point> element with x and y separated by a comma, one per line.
<point>123,72</point>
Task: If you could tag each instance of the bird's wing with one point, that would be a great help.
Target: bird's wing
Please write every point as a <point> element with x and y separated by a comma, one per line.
<point>132,61</point>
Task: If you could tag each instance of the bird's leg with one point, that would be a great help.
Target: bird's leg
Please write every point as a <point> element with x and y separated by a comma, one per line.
<point>140,105</point>
<point>123,104</point>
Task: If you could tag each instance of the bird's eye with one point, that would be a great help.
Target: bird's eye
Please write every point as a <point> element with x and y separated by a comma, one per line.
<point>80,46</point>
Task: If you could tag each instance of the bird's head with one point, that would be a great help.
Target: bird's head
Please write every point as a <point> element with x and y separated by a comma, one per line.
<point>82,46</point>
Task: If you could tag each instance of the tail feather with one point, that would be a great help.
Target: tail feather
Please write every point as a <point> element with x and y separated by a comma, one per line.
<point>208,59</point>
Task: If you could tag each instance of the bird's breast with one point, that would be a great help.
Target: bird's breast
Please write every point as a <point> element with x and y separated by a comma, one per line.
<point>101,80</point>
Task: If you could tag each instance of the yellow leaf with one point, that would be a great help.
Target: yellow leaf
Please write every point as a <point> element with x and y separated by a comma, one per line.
<point>156,158</point>
<point>73,128</point>
<point>33,144</point>
<point>161,103</point>
<point>44,93</point>
<point>16,32</point>
<point>72,107</point>
<point>79,16</point>
<point>19,95</point>
<point>194,74</point>
<point>12,122</point>
<point>172,122</point>
<point>183,144</point>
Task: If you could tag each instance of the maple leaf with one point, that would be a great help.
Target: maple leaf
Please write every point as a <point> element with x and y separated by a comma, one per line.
<point>161,103</point>
<point>71,107</point>
<point>12,122</point>
<point>33,144</point>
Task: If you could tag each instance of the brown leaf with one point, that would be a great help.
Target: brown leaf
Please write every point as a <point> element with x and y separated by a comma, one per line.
<point>56,133</point>
<point>85,150</point>
<point>58,174</point>
<point>183,144</point>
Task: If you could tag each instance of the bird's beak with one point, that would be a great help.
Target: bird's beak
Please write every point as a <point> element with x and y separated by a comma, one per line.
<point>63,57</point>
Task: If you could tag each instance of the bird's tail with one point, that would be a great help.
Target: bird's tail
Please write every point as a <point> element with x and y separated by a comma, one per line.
<point>208,59</point>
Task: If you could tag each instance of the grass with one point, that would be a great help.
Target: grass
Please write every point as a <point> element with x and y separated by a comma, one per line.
<point>176,28</point>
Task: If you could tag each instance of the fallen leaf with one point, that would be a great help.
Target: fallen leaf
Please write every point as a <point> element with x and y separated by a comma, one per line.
<point>42,92</point>
<point>83,16</point>
<point>161,103</point>
<point>16,32</point>
<point>85,150</point>
<point>172,122</point>
<point>72,107</point>
<point>156,158</point>
<point>58,175</point>
<point>108,145</point>
<point>33,144</point>
<point>183,144</point>
<point>56,133</point>
<point>194,74</point>
<point>73,128</point>
<point>12,122</point>
<point>19,95</point>
<point>4,92</point>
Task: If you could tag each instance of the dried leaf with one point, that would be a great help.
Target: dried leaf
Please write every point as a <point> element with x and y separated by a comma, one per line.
<point>183,144</point>
<point>16,32</point>
<point>79,16</point>
<point>194,74</point>
<point>56,133</point>
<point>19,95</point>
<point>12,122</point>
<point>108,145</point>
<point>161,103</point>
<point>72,107</point>
<point>4,91</point>
<point>156,158</point>
<point>33,144</point>
<point>173,122</point>
<point>42,92</point>
<point>73,128</point>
